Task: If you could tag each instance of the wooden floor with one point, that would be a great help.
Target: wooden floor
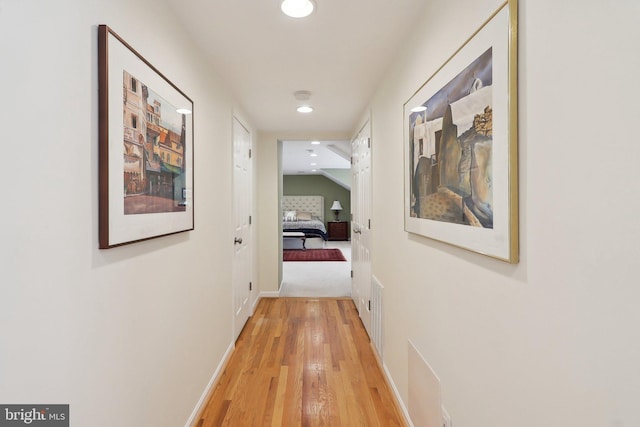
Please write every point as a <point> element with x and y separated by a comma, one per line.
<point>302,362</point>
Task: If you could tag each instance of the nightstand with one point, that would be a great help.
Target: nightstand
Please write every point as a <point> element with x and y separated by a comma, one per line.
<point>338,230</point>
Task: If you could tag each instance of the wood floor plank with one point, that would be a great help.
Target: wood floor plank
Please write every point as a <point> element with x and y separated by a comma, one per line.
<point>278,409</point>
<point>302,362</point>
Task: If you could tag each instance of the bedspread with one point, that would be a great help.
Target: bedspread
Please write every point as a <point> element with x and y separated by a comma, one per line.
<point>313,228</point>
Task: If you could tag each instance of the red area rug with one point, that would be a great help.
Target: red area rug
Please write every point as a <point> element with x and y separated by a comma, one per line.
<point>312,255</point>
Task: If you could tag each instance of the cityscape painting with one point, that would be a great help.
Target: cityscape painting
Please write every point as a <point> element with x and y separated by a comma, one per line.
<point>460,145</point>
<point>154,150</point>
<point>145,168</point>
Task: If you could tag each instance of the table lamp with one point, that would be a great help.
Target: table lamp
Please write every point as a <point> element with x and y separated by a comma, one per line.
<point>336,208</point>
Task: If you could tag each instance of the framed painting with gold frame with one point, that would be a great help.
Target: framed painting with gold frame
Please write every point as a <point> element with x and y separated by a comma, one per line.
<point>460,145</point>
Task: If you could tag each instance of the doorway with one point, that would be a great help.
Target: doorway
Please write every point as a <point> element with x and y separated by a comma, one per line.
<point>311,170</point>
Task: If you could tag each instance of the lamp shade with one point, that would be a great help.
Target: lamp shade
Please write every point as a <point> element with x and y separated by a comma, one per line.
<point>336,206</point>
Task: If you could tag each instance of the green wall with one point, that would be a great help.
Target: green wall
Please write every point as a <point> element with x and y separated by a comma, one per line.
<point>318,185</point>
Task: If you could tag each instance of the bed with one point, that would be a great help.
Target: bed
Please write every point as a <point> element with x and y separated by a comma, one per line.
<point>305,214</point>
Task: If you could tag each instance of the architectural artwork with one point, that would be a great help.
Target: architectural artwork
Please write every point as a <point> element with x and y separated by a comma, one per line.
<point>154,151</point>
<point>145,151</point>
<point>450,150</point>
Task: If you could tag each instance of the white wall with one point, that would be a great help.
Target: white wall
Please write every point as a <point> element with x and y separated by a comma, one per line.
<point>127,336</point>
<point>554,340</point>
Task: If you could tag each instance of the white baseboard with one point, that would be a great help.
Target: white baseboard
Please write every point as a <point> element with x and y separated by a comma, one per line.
<point>268,294</point>
<point>197,411</point>
<point>254,305</point>
<point>264,294</point>
<point>405,411</point>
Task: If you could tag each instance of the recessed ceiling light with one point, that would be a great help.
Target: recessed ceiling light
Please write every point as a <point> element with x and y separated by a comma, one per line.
<point>304,109</point>
<point>315,142</point>
<point>183,111</point>
<point>419,109</point>
<point>297,8</point>
<point>313,170</point>
<point>314,164</point>
<point>313,155</point>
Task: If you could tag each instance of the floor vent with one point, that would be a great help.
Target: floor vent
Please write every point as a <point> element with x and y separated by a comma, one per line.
<point>376,314</point>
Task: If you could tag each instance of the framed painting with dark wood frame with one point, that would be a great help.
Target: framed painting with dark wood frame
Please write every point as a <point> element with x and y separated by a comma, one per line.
<point>145,148</point>
<point>461,157</point>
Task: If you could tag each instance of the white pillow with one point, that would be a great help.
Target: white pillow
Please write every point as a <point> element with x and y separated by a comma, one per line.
<point>303,216</point>
<point>290,216</point>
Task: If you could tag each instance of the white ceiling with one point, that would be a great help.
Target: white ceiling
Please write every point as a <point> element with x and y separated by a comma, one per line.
<point>297,159</point>
<point>339,54</point>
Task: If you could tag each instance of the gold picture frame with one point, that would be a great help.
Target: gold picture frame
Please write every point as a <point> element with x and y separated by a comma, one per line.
<point>461,148</point>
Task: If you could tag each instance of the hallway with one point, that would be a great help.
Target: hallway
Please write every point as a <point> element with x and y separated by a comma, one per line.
<point>302,362</point>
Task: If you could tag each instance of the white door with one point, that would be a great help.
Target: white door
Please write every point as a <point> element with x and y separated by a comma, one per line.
<point>361,224</point>
<point>242,262</point>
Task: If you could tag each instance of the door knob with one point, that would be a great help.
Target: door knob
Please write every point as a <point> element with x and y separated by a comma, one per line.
<point>237,240</point>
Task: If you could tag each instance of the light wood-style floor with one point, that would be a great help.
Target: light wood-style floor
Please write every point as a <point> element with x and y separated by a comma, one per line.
<point>302,362</point>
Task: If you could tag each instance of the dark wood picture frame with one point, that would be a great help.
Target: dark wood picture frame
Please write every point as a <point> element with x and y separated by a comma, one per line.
<point>145,148</point>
